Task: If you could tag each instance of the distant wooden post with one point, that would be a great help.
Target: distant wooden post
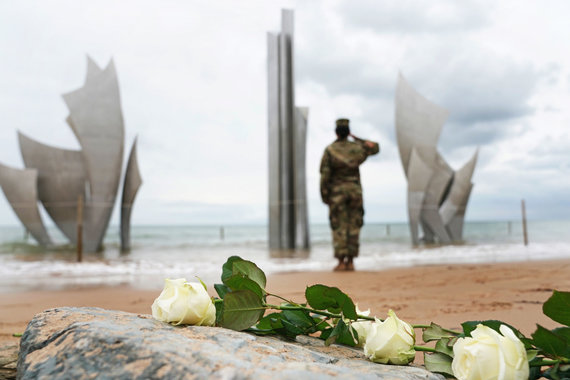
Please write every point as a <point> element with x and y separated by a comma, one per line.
<point>525,235</point>
<point>387,229</point>
<point>80,228</point>
<point>222,233</point>
<point>509,227</point>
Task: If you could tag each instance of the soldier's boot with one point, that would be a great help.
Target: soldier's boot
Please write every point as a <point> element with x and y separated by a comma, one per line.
<point>341,266</point>
<point>349,264</point>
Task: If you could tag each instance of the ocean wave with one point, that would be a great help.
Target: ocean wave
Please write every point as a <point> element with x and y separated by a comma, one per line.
<point>148,270</point>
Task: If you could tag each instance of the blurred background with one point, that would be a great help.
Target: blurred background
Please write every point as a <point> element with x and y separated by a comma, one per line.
<point>193,82</point>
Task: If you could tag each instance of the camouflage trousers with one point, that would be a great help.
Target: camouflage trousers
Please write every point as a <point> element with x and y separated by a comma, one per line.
<point>346,217</point>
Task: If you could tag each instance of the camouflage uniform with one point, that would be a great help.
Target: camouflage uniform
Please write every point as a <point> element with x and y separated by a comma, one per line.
<point>341,190</point>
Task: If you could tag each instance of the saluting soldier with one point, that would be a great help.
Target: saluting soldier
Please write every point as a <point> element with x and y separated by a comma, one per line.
<point>341,190</point>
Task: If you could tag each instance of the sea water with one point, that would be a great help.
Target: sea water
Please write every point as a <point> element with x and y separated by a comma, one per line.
<point>160,252</point>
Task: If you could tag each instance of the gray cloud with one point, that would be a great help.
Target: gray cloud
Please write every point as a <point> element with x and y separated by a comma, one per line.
<point>346,74</point>
<point>482,89</point>
<point>413,16</point>
<point>486,89</point>
<point>484,92</point>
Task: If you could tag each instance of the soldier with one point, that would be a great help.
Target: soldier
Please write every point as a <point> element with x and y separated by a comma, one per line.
<point>341,190</point>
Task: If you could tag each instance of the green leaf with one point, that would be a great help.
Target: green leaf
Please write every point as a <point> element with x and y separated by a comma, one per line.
<point>438,362</point>
<point>348,336</point>
<point>227,268</point>
<point>436,332</point>
<point>551,343</point>
<point>241,282</point>
<point>342,334</point>
<point>299,318</point>
<point>258,331</point>
<point>265,322</point>
<point>251,270</point>
<point>221,289</point>
<point>534,373</point>
<point>291,330</point>
<point>218,304</point>
<point>563,332</point>
<point>242,309</point>
<point>235,265</point>
<point>321,324</point>
<point>288,323</point>
<point>270,322</point>
<point>557,307</point>
<point>323,297</point>
<point>326,333</point>
<point>331,337</point>
<point>443,346</point>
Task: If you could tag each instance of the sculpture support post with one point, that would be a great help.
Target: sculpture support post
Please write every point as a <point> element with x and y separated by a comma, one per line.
<point>80,228</point>
<point>288,219</point>
<point>525,235</point>
<point>273,143</point>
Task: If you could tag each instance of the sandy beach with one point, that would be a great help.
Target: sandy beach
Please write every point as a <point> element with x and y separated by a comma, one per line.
<point>445,294</point>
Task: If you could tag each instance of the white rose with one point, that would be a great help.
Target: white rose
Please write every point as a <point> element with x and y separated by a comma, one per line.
<point>362,327</point>
<point>490,355</point>
<point>391,341</point>
<point>184,302</point>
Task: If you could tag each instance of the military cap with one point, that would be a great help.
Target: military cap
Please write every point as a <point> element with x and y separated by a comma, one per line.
<point>342,123</point>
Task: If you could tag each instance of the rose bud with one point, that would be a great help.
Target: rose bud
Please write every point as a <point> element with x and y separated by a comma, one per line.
<point>184,302</point>
<point>391,341</point>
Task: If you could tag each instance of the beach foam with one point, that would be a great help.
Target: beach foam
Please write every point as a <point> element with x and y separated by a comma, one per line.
<point>161,252</point>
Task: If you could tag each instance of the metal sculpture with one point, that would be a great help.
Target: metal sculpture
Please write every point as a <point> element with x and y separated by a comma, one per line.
<point>61,180</point>
<point>20,188</point>
<point>288,219</point>
<point>437,195</point>
<point>93,173</point>
<point>131,185</point>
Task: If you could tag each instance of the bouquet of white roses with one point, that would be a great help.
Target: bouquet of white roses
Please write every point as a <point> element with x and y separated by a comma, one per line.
<point>484,350</point>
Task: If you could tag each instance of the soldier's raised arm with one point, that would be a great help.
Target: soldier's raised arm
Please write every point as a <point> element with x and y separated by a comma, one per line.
<point>371,147</point>
<point>325,176</point>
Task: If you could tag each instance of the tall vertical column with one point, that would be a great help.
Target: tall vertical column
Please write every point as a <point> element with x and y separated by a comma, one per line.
<point>286,102</point>
<point>301,210</point>
<point>288,222</point>
<point>273,143</point>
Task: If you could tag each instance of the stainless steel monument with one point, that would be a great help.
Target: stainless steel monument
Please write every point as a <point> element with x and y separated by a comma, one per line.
<point>62,179</point>
<point>437,195</point>
<point>288,219</point>
<point>131,185</point>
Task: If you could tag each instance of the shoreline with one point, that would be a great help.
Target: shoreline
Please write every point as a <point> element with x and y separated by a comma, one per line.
<point>444,294</point>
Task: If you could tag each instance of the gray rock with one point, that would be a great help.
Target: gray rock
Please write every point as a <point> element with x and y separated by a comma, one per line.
<point>78,343</point>
<point>8,360</point>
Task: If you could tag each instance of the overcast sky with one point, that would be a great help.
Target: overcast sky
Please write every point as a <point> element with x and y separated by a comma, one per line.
<point>193,81</point>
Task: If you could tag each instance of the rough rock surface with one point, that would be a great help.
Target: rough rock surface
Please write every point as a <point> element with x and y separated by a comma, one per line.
<point>8,360</point>
<point>78,343</point>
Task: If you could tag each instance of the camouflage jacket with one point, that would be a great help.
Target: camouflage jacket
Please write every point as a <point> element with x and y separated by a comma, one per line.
<point>340,163</point>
